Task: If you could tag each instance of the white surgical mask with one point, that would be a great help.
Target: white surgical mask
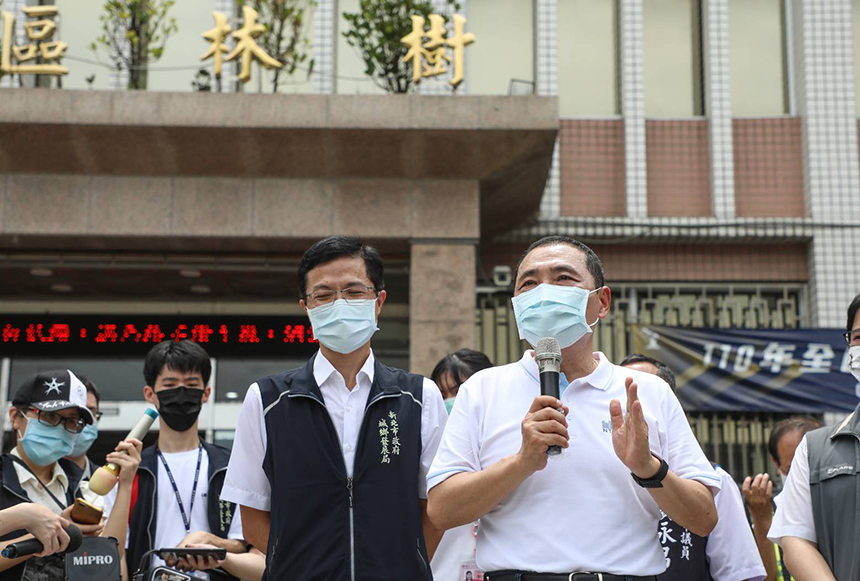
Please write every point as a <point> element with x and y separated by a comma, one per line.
<point>854,361</point>
<point>550,310</point>
<point>344,326</point>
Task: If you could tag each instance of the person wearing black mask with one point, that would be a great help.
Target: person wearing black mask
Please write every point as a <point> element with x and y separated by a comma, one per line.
<point>180,478</point>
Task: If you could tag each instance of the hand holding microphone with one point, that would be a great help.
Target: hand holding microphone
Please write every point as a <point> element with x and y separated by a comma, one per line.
<point>545,426</point>
<point>106,477</point>
<point>65,541</point>
<point>39,521</point>
<point>548,359</point>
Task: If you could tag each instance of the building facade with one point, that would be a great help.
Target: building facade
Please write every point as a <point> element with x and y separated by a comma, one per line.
<point>706,149</point>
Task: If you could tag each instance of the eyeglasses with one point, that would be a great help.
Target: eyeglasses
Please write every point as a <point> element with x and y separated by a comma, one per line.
<point>350,293</point>
<point>96,414</point>
<point>71,425</point>
<point>852,337</point>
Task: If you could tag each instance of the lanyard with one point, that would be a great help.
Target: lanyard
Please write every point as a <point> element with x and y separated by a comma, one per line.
<point>17,460</point>
<point>186,518</point>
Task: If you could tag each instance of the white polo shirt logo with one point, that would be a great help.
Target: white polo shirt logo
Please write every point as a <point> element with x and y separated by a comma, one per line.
<point>607,427</point>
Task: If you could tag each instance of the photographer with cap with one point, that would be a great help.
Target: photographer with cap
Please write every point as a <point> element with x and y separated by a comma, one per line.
<point>48,412</point>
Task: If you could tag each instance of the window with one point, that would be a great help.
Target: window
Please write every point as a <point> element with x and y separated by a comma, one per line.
<point>503,47</point>
<point>351,77</point>
<point>236,375</point>
<point>588,79</point>
<point>117,379</point>
<point>672,43</point>
<point>757,57</point>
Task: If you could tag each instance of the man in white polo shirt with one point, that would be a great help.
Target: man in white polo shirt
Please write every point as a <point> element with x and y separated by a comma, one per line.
<point>592,512</point>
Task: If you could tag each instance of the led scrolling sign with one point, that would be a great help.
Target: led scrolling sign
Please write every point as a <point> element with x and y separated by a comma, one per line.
<point>134,335</point>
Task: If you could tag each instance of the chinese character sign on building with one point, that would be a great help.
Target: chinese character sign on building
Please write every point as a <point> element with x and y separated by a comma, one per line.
<point>42,55</point>
<point>430,58</point>
<point>779,370</point>
<point>246,45</point>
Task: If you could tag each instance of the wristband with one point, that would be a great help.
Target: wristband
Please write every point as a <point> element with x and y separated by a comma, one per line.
<point>655,481</point>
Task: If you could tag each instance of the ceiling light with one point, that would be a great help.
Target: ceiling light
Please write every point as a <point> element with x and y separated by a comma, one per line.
<point>41,272</point>
<point>201,289</point>
<point>231,395</point>
<point>61,287</point>
<point>189,273</point>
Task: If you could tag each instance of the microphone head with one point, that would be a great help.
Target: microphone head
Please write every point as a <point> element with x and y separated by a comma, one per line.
<point>103,480</point>
<point>548,355</point>
<point>75,538</point>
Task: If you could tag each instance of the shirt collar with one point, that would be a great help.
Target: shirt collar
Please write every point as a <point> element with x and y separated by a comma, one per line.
<point>600,378</point>
<point>323,369</point>
<point>849,426</point>
<point>24,475</point>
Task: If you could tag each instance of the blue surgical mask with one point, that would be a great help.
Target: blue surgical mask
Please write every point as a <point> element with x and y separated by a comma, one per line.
<point>344,326</point>
<point>550,310</point>
<point>85,440</point>
<point>45,444</point>
<point>449,405</point>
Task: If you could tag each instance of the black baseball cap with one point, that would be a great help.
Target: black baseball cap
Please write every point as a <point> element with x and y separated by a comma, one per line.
<point>50,391</point>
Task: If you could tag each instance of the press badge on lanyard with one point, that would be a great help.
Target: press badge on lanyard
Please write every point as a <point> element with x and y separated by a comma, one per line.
<point>469,570</point>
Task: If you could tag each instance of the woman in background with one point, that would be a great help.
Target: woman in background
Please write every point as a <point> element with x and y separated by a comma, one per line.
<point>454,559</point>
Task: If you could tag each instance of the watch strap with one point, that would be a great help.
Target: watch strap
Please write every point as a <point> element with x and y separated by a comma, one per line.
<point>655,481</point>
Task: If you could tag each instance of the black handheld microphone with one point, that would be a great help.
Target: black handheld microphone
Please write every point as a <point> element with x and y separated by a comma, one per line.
<point>30,546</point>
<point>548,359</point>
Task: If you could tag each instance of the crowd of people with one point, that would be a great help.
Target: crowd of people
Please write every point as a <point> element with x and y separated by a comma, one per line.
<point>347,469</point>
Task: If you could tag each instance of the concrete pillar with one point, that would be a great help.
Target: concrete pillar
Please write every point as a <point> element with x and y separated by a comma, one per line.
<point>719,107</point>
<point>441,300</point>
<point>824,90</point>
<point>633,107</point>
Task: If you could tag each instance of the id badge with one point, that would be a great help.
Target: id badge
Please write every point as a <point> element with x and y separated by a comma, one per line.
<point>470,572</point>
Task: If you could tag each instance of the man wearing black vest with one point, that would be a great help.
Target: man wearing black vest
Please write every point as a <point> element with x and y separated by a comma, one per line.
<point>331,477</point>
<point>177,487</point>
<point>817,521</point>
<point>729,553</point>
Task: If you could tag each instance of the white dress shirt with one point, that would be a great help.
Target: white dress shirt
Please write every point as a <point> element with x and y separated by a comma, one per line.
<point>731,549</point>
<point>246,482</point>
<point>583,512</point>
<point>58,484</point>
<point>793,516</point>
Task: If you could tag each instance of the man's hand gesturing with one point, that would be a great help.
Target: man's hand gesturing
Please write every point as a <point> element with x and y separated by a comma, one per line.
<point>543,426</point>
<point>630,434</point>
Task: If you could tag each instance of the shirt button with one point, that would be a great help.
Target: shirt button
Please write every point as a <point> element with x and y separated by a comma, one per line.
<point>349,447</point>
<point>349,408</point>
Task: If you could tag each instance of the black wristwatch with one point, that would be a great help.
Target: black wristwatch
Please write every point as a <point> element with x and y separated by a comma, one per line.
<point>655,481</point>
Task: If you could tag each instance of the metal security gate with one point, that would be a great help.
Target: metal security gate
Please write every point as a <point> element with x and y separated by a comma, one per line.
<point>736,441</point>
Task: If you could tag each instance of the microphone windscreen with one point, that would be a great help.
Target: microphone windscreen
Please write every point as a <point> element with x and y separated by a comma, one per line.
<point>548,345</point>
<point>76,537</point>
<point>548,355</point>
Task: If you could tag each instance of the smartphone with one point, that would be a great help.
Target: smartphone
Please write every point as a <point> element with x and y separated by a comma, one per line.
<point>165,574</point>
<point>179,552</point>
<point>85,513</point>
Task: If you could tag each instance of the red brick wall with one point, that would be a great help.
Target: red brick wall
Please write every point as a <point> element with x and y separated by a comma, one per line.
<point>679,175</point>
<point>768,168</point>
<point>591,156</point>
